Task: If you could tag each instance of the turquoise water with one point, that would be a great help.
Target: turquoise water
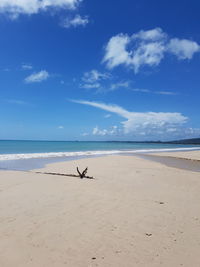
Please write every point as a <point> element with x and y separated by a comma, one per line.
<point>24,147</point>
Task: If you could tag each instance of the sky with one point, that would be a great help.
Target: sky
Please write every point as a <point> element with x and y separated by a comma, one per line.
<point>99,70</point>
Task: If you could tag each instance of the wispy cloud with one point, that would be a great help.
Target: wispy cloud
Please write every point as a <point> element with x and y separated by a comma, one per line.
<point>93,79</point>
<point>37,77</point>
<point>102,82</point>
<point>60,127</point>
<point>141,90</point>
<point>94,76</point>
<point>147,91</point>
<point>27,67</point>
<point>6,69</point>
<point>165,93</point>
<point>14,8</point>
<point>17,102</point>
<point>111,108</point>
<point>141,123</point>
<point>105,82</point>
<point>90,85</point>
<point>117,85</point>
<point>74,22</point>
<point>146,48</point>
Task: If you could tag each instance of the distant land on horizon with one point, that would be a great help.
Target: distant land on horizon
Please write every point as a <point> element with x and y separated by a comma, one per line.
<point>192,141</point>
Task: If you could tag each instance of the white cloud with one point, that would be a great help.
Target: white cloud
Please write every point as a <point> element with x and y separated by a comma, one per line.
<point>166,93</point>
<point>115,86</point>
<point>116,52</point>
<point>90,85</point>
<point>154,121</point>
<point>183,133</point>
<point>146,48</point>
<point>145,53</point>
<point>152,35</point>
<point>93,78</point>
<point>140,123</point>
<point>97,131</point>
<point>16,7</point>
<point>103,81</point>
<point>148,54</point>
<point>140,90</point>
<point>103,132</point>
<point>183,49</point>
<point>111,108</point>
<point>61,127</point>
<point>75,22</point>
<point>27,67</point>
<point>37,77</point>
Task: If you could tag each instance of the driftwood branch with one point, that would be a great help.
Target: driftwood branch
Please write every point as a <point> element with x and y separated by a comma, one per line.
<point>83,174</point>
<point>80,175</point>
<point>78,171</point>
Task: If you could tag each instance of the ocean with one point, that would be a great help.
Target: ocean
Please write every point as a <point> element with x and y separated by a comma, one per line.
<point>35,154</point>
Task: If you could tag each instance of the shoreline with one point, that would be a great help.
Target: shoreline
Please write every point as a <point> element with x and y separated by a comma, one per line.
<point>35,160</point>
<point>181,160</point>
<point>36,155</point>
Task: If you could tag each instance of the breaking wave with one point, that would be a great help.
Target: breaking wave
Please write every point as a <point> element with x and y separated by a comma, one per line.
<point>88,153</point>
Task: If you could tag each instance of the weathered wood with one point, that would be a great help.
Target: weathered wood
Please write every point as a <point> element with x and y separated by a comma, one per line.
<point>84,172</point>
<point>78,171</point>
<point>81,175</point>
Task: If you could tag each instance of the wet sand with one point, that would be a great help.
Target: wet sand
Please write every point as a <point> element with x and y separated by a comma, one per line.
<point>188,155</point>
<point>171,160</point>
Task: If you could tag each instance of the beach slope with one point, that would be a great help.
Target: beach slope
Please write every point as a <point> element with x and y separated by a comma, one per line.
<point>134,213</point>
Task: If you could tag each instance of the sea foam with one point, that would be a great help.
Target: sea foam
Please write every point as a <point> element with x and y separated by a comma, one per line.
<point>88,153</point>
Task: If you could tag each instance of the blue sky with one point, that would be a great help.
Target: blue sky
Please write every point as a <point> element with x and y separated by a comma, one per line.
<point>99,70</point>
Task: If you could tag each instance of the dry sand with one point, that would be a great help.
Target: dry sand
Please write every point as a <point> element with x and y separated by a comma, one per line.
<point>135,213</point>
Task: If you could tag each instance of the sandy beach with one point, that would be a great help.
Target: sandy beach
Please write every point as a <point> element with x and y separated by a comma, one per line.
<point>190,155</point>
<point>134,213</point>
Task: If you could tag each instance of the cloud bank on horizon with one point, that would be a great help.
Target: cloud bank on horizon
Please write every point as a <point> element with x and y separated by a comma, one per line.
<point>146,124</point>
<point>146,48</point>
